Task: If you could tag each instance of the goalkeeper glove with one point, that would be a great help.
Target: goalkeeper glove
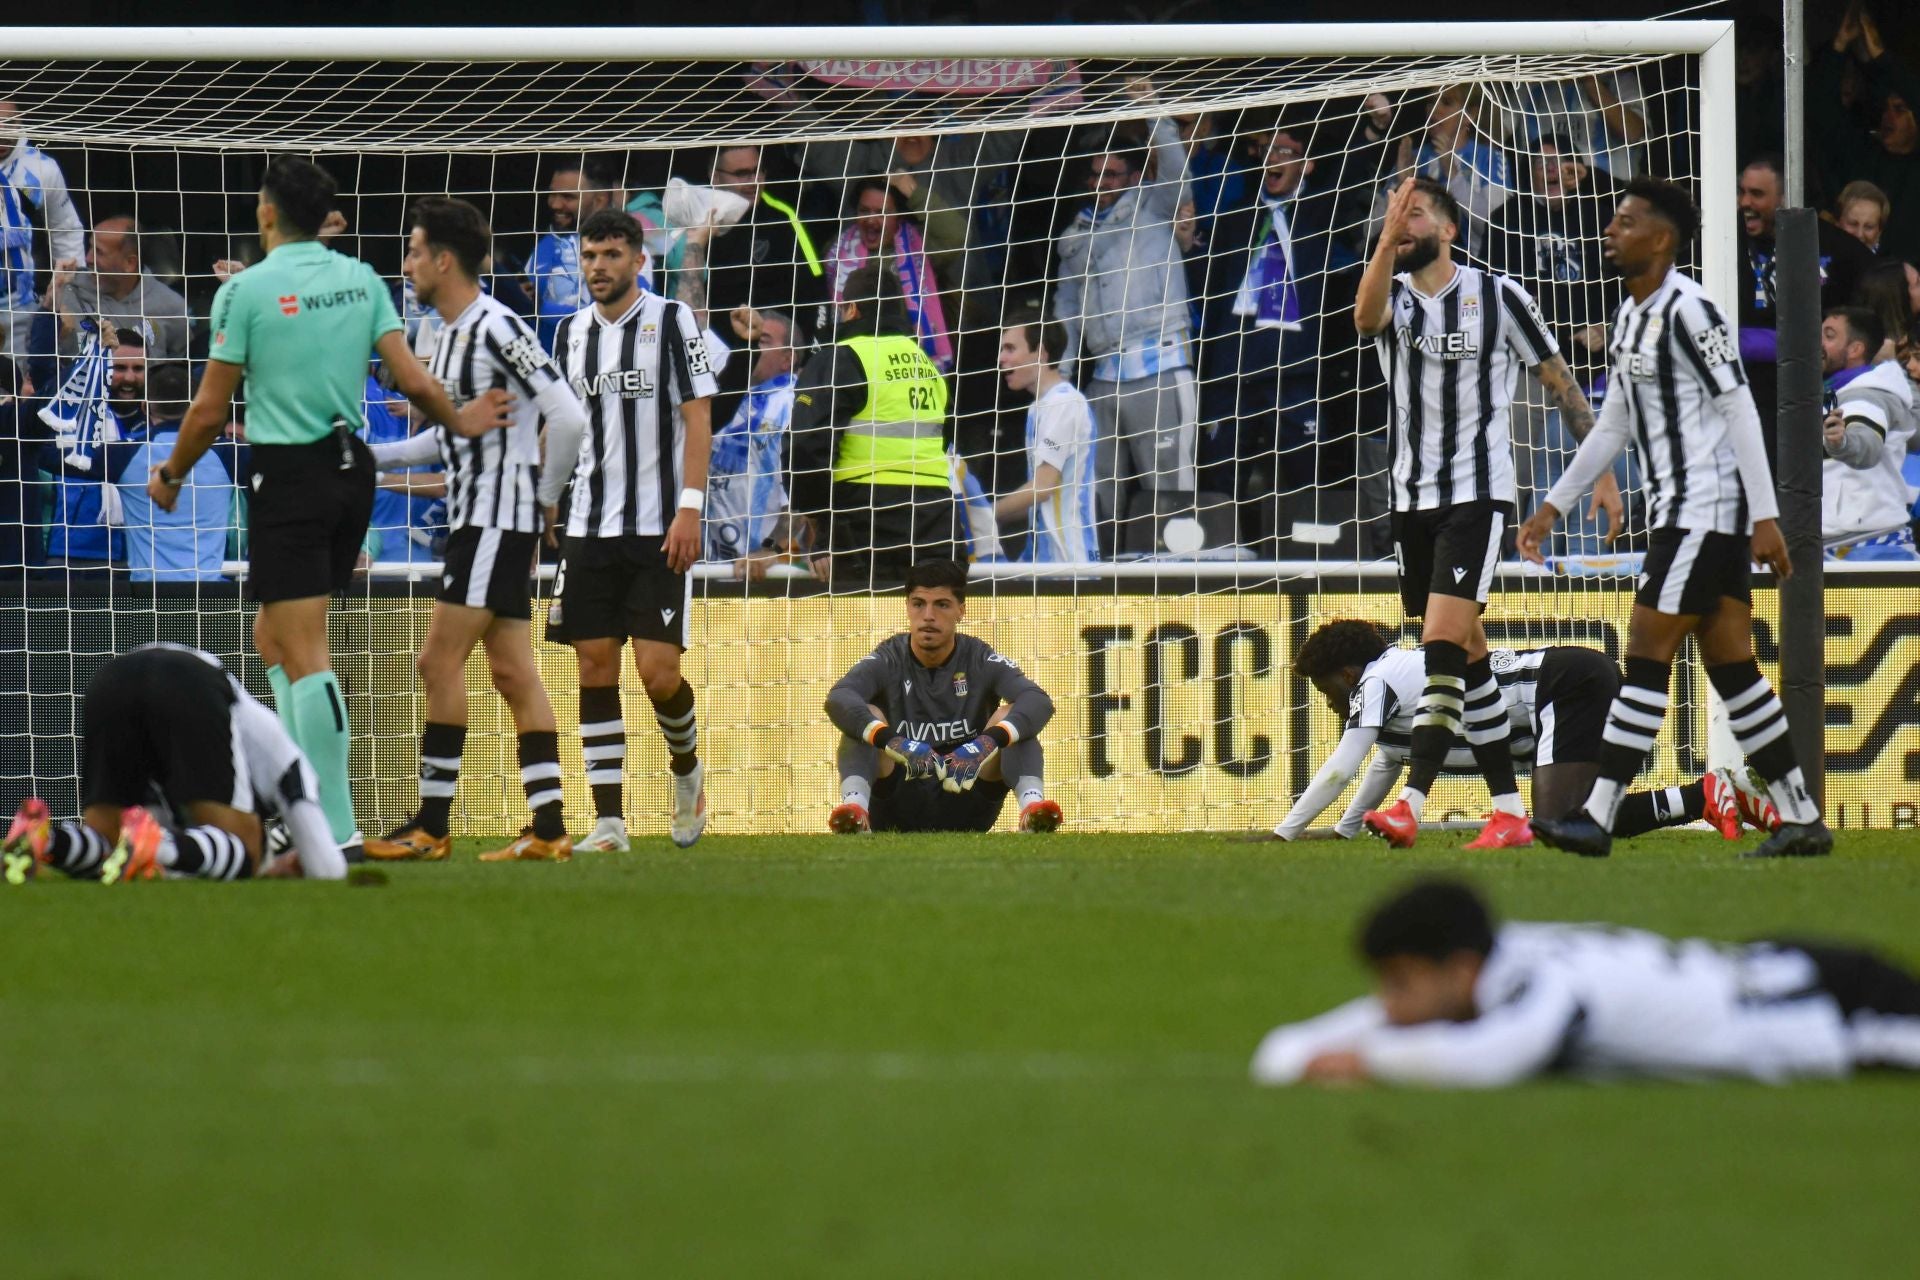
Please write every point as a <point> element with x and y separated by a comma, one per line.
<point>964,762</point>
<point>920,760</point>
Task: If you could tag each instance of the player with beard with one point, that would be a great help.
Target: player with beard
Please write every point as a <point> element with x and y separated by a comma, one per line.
<point>1448,335</point>
<point>1679,390</point>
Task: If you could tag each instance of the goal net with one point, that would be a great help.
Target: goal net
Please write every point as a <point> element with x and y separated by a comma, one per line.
<point>1184,211</point>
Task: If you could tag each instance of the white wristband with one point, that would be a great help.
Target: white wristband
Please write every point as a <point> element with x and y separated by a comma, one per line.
<point>693,500</point>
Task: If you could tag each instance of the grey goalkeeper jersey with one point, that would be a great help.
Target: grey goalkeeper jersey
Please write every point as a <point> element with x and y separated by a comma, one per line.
<point>941,706</point>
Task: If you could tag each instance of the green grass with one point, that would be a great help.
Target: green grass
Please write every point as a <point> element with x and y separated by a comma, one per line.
<point>960,1057</point>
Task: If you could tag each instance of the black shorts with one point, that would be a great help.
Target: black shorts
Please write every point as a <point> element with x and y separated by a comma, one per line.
<point>1859,979</point>
<point>1448,551</point>
<point>490,569</point>
<point>923,805</point>
<point>308,508</point>
<point>157,727</point>
<point>1575,690</point>
<point>1689,571</point>
<point>620,588</point>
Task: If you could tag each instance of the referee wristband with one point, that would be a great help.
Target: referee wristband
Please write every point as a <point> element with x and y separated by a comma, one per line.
<point>693,500</point>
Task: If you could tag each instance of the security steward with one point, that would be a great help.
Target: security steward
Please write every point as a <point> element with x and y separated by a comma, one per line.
<point>301,326</point>
<point>868,451</point>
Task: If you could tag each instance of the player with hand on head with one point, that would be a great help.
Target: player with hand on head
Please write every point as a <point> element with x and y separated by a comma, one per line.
<point>1679,390</point>
<point>1461,1003</point>
<point>178,766</point>
<point>496,494</point>
<point>1556,699</point>
<point>1451,338</point>
<point>935,724</point>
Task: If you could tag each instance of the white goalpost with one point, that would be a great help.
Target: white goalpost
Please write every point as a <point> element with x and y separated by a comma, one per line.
<point>1168,647</point>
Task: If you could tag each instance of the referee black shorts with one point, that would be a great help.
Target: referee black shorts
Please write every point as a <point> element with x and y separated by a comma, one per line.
<point>1689,571</point>
<point>620,589</point>
<point>924,805</point>
<point>157,727</point>
<point>490,569</point>
<point>1448,551</point>
<point>307,515</point>
<point>1573,692</point>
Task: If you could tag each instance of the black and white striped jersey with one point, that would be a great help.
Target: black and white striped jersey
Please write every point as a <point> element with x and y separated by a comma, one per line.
<point>491,479</point>
<point>1671,355</point>
<point>1450,363</point>
<point>632,375</point>
<point>1389,692</point>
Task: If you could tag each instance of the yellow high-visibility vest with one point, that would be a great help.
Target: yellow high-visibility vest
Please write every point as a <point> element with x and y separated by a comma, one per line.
<point>896,438</point>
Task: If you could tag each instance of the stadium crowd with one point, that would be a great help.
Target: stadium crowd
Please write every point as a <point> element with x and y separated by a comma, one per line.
<point>1137,325</point>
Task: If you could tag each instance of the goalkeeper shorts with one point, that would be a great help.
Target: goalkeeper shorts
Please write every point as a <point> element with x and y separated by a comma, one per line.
<point>924,805</point>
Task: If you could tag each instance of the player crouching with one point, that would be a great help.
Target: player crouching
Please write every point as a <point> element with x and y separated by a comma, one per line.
<point>1556,700</point>
<point>935,723</point>
<point>166,731</point>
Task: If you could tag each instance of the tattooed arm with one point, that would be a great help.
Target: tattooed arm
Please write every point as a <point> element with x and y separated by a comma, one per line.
<point>690,280</point>
<point>1563,392</point>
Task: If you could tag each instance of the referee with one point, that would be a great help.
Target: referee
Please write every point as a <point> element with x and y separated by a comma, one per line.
<point>300,327</point>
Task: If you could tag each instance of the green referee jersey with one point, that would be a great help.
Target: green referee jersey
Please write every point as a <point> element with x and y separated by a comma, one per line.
<point>302,324</point>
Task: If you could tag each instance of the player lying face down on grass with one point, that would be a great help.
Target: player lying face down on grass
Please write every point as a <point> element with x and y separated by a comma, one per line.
<point>1459,1003</point>
<point>1556,700</point>
<point>178,766</point>
<point>936,726</point>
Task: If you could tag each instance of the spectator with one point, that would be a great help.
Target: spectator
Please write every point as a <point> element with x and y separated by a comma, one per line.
<point>1865,505</point>
<point>1863,210</point>
<point>1120,290</point>
<point>867,458</point>
<point>767,259</point>
<point>1550,237</point>
<point>746,492</point>
<point>879,234</point>
<point>1216,178</point>
<point>122,292</point>
<point>1601,115</point>
<point>409,521</point>
<point>1057,499</point>
<point>1891,290</point>
<point>95,407</point>
<point>1888,153</point>
<point>21,434</point>
<point>1459,152</point>
<point>976,526</point>
<point>188,543</point>
<point>574,194</point>
<point>1842,262</point>
<point>1277,341</point>
<point>30,181</point>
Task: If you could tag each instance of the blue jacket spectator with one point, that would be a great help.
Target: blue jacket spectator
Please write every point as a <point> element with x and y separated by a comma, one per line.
<point>101,401</point>
<point>407,526</point>
<point>746,489</point>
<point>189,543</point>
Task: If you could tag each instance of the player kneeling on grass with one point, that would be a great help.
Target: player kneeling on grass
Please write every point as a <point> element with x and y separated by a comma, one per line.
<point>179,765</point>
<point>1461,1004</point>
<point>935,723</point>
<point>1556,701</point>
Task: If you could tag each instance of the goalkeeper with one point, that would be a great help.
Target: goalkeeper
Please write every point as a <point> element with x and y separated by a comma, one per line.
<point>936,724</point>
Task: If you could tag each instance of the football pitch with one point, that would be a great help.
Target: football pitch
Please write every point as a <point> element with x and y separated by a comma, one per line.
<point>967,1056</point>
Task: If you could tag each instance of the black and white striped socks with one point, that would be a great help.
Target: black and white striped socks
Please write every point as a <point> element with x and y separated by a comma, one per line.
<point>603,748</point>
<point>1759,725</point>
<point>679,727</point>
<point>540,778</point>
<point>1437,720</point>
<point>1489,733</point>
<point>207,853</point>
<point>1638,711</point>
<point>441,746</point>
<point>76,848</point>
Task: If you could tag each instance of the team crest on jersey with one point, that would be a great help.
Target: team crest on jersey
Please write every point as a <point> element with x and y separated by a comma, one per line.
<point>648,331</point>
<point>959,684</point>
<point>1470,308</point>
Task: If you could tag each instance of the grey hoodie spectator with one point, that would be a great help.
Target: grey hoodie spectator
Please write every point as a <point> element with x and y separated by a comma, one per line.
<point>1120,288</point>
<point>121,291</point>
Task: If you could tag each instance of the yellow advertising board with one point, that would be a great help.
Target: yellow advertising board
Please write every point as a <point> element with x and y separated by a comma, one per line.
<point>1174,712</point>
